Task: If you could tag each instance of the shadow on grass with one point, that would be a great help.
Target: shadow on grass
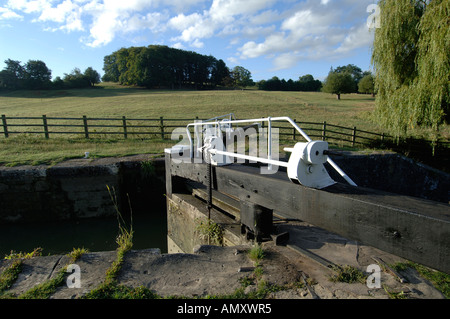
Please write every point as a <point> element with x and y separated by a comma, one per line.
<point>92,92</point>
<point>102,90</point>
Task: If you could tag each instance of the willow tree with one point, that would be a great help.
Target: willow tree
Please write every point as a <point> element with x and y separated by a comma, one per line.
<point>411,55</point>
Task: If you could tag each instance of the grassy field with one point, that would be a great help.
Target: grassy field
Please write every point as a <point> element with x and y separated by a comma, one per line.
<point>22,150</point>
<point>112,100</point>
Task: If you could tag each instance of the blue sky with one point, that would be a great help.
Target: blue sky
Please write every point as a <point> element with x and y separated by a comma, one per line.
<point>284,38</point>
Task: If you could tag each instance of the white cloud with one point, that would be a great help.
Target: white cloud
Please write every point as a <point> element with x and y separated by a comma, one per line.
<point>151,21</point>
<point>178,45</point>
<point>312,32</point>
<point>306,22</point>
<point>224,18</point>
<point>355,39</point>
<point>125,6</point>
<point>104,29</point>
<point>103,18</point>
<point>204,28</point>
<point>182,22</point>
<point>73,23</point>
<point>226,10</point>
<point>197,44</point>
<point>193,27</point>
<point>58,13</point>
<point>285,61</point>
<point>116,16</point>
<point>285,31</point>
<point>273,44</point>
<point>181,6</point>
<point>252,32</point>
<point>29,6</point>
<point>268,16</point>
<point>66,13</point>
<point>232,60</point>
<point>6,14</point>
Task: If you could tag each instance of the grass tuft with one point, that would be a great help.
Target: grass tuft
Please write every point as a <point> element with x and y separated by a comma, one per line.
<point>10,275</point>
<point>440,280</point>
<point>348,274</point>
<point>210,231</point>
<point>109,288</point>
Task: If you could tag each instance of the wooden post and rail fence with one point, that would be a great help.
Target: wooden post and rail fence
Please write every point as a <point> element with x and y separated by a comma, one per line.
<point>161,127</point>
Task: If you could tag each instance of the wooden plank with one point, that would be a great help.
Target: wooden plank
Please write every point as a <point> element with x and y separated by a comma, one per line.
<point>409,227</point>
<point>222,201</point>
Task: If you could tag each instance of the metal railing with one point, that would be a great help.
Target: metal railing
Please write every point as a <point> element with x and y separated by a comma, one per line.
<point>228,122</point>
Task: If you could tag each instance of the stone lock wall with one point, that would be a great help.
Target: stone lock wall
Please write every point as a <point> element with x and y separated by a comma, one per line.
<point>185,213</point>
<point>75,189</point>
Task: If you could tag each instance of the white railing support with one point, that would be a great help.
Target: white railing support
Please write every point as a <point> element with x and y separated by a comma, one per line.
<point>268,160</point>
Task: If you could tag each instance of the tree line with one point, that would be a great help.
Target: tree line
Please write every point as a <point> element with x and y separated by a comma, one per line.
<point>35,75</point>
<point>164,67</point>
<point>304,83</point>
<point>343,79</point>
<point>158,66</point>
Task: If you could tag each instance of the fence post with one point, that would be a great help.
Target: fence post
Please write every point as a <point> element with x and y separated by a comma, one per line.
<point>162,127</point>
<point>354,136</point>
<point>86,131</point>
<point>5,126</point>
<point>124,122</point>
<point>324,131</point>
<point>44,120</point>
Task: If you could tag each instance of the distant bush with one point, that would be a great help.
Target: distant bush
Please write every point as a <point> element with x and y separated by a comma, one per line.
<point>305,83</point>
<point>76,79</point>
<point>35,75</point>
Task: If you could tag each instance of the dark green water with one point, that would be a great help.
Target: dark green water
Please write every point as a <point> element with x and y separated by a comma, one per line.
<point>96,234</point>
